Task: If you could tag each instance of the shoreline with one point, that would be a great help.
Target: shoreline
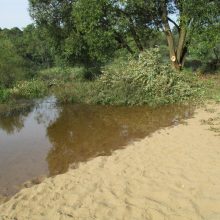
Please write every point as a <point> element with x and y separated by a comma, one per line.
<point>173,174</point>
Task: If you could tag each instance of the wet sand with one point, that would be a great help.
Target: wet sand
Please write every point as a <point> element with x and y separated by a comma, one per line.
<point>172,175</point>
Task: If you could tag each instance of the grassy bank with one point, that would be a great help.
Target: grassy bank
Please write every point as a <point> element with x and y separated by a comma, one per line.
<point>134,81</point>
<point>27,90</point>
<point>212,86</point>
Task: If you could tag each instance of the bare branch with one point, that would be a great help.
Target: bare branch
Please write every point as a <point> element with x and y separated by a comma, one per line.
<point>176,25</point>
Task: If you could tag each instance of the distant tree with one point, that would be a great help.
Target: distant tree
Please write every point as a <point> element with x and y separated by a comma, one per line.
<point>56,17</point>
<point>11,64</point>
<point>15,35</point>
<point>33,44</point>
<point>37,46</point>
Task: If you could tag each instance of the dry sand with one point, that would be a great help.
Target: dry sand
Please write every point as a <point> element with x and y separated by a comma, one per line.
<point>172,175</point>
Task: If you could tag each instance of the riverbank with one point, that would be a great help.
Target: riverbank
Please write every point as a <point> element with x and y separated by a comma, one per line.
<point>174,174</point>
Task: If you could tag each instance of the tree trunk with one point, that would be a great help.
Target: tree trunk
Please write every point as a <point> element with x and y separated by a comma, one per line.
<point>177,54</point>
<point>135,36</point>
<point>172,51</point>
<point>181,44</point>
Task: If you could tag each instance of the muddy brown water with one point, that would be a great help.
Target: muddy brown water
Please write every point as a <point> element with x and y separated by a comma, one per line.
<point>46,138</point>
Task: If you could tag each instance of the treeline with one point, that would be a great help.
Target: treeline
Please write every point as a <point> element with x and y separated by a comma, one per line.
<point>23,53</point>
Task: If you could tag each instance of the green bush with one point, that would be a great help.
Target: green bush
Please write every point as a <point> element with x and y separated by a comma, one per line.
<point>142,81</point>
<point>147,80</point>
<point>4,95</point>
<point>29,89</point>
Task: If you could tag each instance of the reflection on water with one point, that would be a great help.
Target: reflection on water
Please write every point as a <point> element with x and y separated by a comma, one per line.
<point>82,132</point>
<point>47,138</point>
<point>24,144</point>
<point>13,120</point>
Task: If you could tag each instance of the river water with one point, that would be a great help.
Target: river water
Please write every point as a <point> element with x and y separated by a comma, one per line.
<point>46,138</point>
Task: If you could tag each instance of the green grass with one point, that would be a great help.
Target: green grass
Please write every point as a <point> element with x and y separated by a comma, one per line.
<point>212,86</point>
<point>31,89</point>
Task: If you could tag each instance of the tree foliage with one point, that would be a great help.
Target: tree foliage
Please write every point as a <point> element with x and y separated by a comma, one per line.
<point>11,64</point>
<point>37,47</point>
<point>95,29</point>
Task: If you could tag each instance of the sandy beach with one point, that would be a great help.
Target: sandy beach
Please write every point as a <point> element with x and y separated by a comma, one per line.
<point>172,175</point>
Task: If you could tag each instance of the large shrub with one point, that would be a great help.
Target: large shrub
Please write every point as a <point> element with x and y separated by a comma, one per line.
<point>145,80</point>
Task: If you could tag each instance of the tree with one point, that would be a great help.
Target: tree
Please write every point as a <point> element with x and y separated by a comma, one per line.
<point>88,31</point>
<point>37,47</point>
<point>208,46</point>
<point>193,18</point>
<point>11,64</point>
<point>110,25</point>
<point>55,16</point>
<point>15,36</point>
<point>106,25</point>
<point>33,44</point>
